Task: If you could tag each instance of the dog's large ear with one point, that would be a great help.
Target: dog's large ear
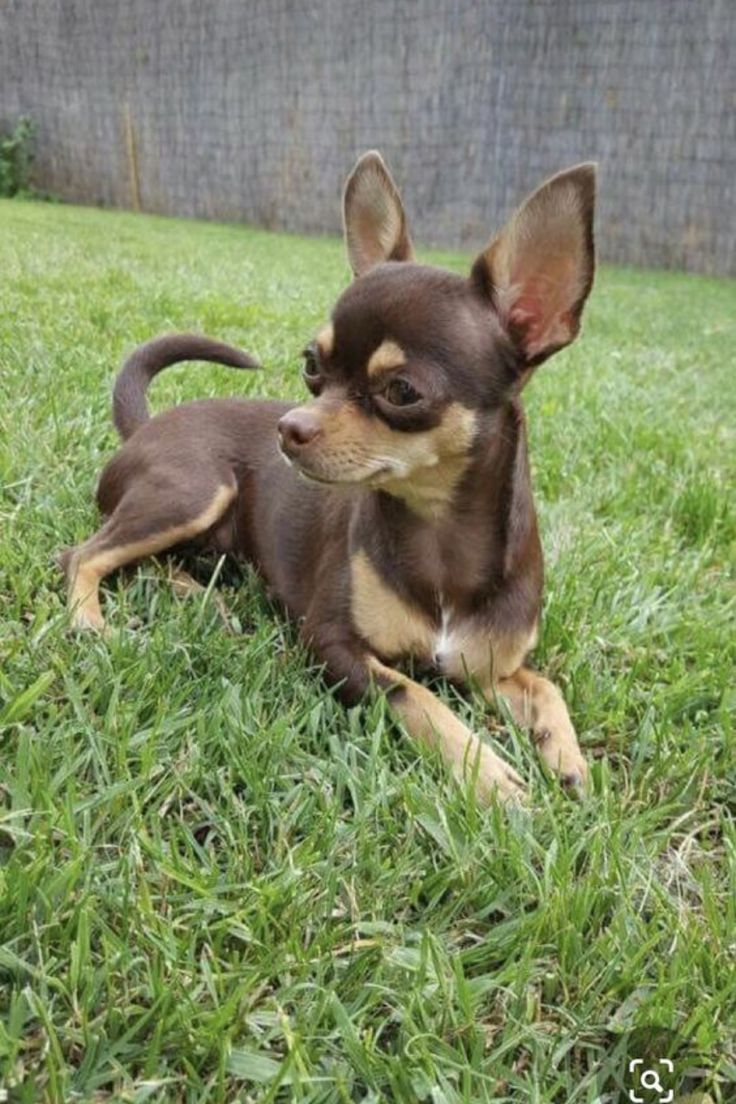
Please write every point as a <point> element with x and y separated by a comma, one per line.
<point>539,270</point>
<point>373,216</point>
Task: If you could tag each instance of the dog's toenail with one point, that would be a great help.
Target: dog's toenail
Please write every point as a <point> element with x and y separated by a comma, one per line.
<point>541,736</point>
<point>573,779</point>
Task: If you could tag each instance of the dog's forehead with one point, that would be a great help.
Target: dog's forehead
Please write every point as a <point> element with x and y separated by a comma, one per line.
<point>418,307</point>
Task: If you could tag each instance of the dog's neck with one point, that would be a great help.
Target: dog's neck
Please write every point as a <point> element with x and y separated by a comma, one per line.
<point>465,551</point>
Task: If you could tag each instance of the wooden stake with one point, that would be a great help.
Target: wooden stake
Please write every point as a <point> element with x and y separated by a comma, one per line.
<point>135,183</point>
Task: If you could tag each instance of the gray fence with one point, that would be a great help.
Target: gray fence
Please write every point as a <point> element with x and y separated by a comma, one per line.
<point>255,110</point>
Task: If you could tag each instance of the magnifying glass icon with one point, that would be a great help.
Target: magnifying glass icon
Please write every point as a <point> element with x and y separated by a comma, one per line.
<point>650,1080</point>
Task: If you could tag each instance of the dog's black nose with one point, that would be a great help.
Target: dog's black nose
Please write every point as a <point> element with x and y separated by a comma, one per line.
<point>297,429</point>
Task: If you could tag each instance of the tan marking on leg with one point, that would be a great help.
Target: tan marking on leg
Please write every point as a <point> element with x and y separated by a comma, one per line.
<point>388,355</point>
<point>84,598</point>
<point>390,625</point>
<point>185,585</point>
<point>428,720</point>
<point>89,566</point>
<point>538,705</point>
<point>325,340</point>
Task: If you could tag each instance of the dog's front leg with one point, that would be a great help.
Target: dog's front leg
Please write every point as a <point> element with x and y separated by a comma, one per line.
<point>428,720</point>
<point>354,671</point>
<point>537,704</point>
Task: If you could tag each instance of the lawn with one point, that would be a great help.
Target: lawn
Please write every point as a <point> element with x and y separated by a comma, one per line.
<point>215,883</point>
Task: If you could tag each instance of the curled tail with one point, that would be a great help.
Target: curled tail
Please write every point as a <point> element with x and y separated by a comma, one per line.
<point>129,406</point>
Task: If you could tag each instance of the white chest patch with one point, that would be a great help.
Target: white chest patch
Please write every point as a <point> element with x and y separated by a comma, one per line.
<point>458,646</point>
<point>462,647</point>
<point>443,641</point>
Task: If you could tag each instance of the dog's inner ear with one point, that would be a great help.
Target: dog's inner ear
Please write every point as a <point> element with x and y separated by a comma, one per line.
<point>539,270</point>
<point>375,223</point>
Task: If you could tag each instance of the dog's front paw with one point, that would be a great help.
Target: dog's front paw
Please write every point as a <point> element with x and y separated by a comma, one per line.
<point>558,747</point>
<point>495,778</point>
<point>88,620</point>
<point>576,774</point>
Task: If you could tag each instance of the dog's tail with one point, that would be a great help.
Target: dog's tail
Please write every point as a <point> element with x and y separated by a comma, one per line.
<point>129,406</point>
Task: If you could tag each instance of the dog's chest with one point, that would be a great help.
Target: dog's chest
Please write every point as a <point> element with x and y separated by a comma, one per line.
<point>457,646</point>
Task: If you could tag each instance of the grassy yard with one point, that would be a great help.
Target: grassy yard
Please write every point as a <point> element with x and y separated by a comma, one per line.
<point>215,883</point>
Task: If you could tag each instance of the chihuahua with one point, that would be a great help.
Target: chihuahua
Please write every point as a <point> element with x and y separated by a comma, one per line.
<point>392,513</point>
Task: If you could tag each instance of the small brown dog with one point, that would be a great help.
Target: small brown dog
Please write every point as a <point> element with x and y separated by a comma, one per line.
<point>403,524</point>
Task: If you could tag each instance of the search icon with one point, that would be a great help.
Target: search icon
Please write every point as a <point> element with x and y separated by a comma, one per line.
<point>650,1080</point>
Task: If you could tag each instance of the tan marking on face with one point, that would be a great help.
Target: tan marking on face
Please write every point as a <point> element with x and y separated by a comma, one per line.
<point>89,566</point>
<point>428,720</point>
<point>421,468</point>
<point>387,355</point>
<point>538,705</point>
<point>429,489</point>
<point>325,340</point>
<point>390,625</point>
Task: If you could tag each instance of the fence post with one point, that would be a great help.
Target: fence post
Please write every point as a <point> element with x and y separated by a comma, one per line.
<point>132,153</point>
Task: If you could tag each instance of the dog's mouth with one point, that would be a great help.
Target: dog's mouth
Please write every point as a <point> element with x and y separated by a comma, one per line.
<point>377,473</point>
<point>343,481</point>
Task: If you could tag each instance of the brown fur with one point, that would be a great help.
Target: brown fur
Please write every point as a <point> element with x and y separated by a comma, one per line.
<point>403,526</point>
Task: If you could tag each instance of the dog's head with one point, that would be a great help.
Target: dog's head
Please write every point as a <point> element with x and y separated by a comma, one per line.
<point>411,371</point>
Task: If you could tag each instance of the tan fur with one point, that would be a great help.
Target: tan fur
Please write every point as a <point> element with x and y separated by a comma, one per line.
<point>388,355</point>
<point>471,652</point>
<point>185,585</point>
<point>461,649</point>
<point>89,566</point>
<point>538,705</point>
<point>421,468</point>
<point>383,619</point>
<point>325,340</point>
<point>429,721</point>
<point>429,490</point>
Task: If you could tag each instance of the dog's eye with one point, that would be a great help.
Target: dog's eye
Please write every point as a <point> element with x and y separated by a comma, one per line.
<point>311,367</point>
<point>312,373</point>
<point>401,393</point>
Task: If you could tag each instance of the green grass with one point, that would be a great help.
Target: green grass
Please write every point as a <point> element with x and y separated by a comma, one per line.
<point>218,885</point>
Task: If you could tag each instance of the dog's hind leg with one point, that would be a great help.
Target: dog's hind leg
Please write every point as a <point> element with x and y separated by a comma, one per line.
<point>185,585</point>
<point>151,517</point>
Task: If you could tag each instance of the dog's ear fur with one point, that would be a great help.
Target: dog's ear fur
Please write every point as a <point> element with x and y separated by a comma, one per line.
<point>539,270</point>
<point>373,216</point>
